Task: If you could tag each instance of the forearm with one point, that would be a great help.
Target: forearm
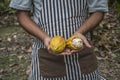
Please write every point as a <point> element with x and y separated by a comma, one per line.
<point>91,22</point>
<point>28,24</point>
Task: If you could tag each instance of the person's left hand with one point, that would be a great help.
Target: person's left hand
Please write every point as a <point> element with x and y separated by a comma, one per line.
<point>85,42</point>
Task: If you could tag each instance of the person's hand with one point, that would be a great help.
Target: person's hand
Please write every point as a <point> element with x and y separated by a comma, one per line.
<point>85,42</point>
<point>67,51</point>
<point>47,43</point>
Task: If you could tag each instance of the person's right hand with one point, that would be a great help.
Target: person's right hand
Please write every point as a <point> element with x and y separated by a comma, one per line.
<point>85,42</point>
<point>47,43</point>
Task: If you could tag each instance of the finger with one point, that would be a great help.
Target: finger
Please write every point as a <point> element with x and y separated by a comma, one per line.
<point>67,50</point>
<point>50,51</point>
<point>85,40</point>
<point>48,48</point>
<point>74,51</point>
<point>87,43</point>
<point>65,53</point>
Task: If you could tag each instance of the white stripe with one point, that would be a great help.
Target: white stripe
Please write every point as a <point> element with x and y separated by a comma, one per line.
<point>91,75</point>
<point>65,23</point>
<point>77,69</point>
<point>69,69</point>
<point>52,17</point>
<point>56,15</point>
<point>60,18</point>
<point>72,66</point>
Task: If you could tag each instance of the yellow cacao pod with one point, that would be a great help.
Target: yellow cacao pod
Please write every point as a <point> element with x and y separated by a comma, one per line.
<point>74,43</point>
<point>57,44</point>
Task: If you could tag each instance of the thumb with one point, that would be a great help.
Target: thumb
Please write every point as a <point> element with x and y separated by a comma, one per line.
<point>48,47</point>
<point>87,43</point>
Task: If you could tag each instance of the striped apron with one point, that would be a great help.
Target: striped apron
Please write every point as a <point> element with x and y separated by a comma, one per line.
<point>60,17</point>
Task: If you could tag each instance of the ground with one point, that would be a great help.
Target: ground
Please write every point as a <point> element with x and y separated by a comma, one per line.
<point>15,49</point>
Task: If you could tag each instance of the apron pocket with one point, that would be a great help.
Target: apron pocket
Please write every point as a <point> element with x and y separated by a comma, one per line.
<point>87,60</point>
<point>51,65</point>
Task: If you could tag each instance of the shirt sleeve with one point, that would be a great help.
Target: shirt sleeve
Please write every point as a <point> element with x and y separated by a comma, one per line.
<point>97,5</point>
<point>21,4</point>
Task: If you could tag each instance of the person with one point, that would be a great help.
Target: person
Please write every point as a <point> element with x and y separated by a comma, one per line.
<point>65,18</point>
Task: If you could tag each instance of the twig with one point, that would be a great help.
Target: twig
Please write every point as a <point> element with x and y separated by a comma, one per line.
<point>117,50</point>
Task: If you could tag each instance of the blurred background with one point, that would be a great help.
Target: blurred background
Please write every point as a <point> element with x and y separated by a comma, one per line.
<point>15,44</point>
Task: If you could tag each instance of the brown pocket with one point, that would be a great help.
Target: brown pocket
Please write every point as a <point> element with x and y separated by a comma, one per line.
<point>87,60</point>
<point>51,65</point>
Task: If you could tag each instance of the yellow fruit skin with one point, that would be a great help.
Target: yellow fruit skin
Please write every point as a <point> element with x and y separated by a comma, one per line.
<point>57,44</point>
<point>69,42</point>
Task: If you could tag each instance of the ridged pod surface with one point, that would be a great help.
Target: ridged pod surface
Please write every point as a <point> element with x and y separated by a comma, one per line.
<point>57,44</point>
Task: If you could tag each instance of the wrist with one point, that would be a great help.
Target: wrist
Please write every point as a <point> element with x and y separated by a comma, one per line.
<point>45,37</point>
<point>77,33</point>
<point>83,29</point>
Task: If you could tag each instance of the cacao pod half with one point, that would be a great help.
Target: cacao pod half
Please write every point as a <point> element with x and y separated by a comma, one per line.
<point>74,42</point>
